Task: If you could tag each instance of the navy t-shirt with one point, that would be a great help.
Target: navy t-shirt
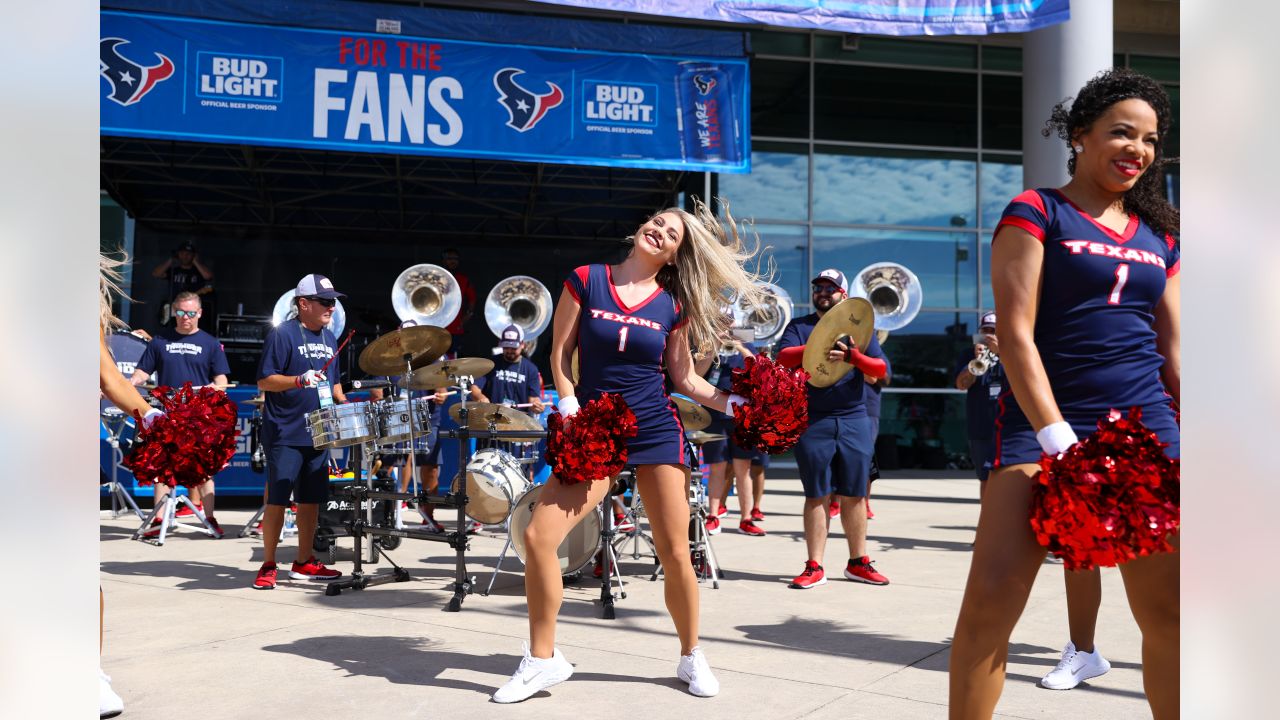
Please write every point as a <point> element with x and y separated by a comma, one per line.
<point>981,400</point>
<point>291,349</point>
<point>511,382</point>
<point>847,398</point>
<point>178,358</point>
<point>720,375</point>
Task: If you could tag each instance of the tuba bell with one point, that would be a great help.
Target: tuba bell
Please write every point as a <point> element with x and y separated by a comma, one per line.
<point>285,310</point>
<point>519,300</point>
<point>767,321</point>
<point>426,294</point>
<point>893,291</point>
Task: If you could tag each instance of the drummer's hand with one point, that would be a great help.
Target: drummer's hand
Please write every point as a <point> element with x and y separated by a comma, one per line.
<point>442,394</point>
<point>837,353</point>
<point>309,379</point>
<point>536,406</point>
<point>142,334</point>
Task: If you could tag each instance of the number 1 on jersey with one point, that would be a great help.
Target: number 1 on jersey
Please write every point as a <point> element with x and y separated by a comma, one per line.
<point>622,338</point>
<point>1122,276</point>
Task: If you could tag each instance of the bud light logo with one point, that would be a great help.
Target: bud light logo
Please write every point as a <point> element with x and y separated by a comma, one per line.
<point>704,84</point>
<point>130,82</point>
<point>524,108</point>
<point>232,76</point>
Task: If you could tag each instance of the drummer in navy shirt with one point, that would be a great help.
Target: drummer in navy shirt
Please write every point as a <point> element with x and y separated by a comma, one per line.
<point>514,379</point>
<point>834,454</point>
<point>183,353</point>
<point>294,377</point>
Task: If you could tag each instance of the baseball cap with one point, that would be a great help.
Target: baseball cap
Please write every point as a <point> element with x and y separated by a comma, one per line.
<point>188,245</point>
<point>834,276</point>
<point>512,336</point>
<point>988,320</point>
<point>317,286</point>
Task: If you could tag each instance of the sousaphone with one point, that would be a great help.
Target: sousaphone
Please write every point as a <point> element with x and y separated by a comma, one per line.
<point>426,294</point>
<point>285,310</point>
<point>522,301</point>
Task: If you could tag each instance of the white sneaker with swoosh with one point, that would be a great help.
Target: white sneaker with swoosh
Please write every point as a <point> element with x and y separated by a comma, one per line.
<point>695,670</point>
<point>1074,668</point>
<point>533,676</point>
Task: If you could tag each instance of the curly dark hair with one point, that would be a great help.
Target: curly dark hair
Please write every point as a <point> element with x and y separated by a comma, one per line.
<point>1147,197</point>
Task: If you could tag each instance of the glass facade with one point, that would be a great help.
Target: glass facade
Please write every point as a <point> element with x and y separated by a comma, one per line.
<point>866,149</point>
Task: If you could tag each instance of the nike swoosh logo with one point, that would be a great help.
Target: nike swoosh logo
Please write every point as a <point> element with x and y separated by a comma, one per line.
<point>531,679</point>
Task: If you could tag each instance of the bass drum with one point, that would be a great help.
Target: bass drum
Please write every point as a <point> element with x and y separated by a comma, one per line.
<point>578,548</point>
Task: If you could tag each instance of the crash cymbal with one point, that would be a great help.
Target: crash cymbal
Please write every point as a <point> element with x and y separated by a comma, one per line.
<point>259,401</point>
<point>444,373</point>
<point>851,318</point>
<point>481,415</point>
<point>692,415</point>
<point>701,437</point>
<point>385,355</point>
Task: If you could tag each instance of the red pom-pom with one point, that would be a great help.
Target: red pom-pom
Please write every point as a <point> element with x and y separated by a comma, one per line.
<point>592,446</point>
<point>779,409</point>
<point>192,441</point>
<point>1109,499</point>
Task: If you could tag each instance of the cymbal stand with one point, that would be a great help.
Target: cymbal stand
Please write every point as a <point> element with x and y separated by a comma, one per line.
<point>636,536</point>
<point>702,554</point>
<point>167,511</point>
<point>120,498</point>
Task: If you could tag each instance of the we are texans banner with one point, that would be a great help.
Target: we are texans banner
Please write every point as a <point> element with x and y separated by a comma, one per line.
<point>222,82</point>
<point>868,17</point>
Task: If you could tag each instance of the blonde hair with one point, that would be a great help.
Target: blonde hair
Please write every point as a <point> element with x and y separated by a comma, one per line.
<point>109,279</point>
<point>710,272</point>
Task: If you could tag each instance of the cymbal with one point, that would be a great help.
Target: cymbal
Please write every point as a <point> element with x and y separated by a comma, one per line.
<point>259,401</point>
<point>701,437</point>
<point>481,415</point>
<point>443,373</point>
<point>851,318</point>
<point>692,415</point>
<point>385,355</point>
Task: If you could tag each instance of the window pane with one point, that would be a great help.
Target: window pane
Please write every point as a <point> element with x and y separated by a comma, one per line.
<point>1173,147</point>
<point>787,246</point>
<point>924,354</point>
<point>984,249</point>
<point>780,98</point>
<point>897,52</point>
<point>764,42</point>
<point>1002,112</point>
<point>945,262</point>
<point>1001,182</point>
<point>1001,58</point>
<point>928,430</point>
<point>886,105</point>
<point>894,187</point>
<point>777,187</point>
<point>1164,69</point>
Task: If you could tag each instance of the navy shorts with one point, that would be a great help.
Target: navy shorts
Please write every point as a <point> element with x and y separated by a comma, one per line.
<point>982,455</point>
<point>834,456</point>
<point>298,470</point>
<point>717,451</point>
<point>1016,442</point>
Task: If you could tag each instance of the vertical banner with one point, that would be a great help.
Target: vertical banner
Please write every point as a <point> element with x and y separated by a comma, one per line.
<point>212,81</point>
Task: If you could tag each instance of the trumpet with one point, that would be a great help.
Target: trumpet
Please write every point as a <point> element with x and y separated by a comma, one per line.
<point>982,364</point>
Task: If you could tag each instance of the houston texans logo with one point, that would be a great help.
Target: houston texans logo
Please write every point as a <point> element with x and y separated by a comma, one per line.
<point>524,107</point>
<point>130,82</point>
<point>704,84</point>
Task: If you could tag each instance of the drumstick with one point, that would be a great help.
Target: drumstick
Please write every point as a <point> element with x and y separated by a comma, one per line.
<point>337,352</point>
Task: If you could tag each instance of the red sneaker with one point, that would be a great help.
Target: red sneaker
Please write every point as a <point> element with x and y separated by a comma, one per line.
<point>834,509</point>
<point>756,515</point>
<point>266,579</point>
<point>870,515</point>
<point>724,510</point>
<point>812,576</point>
<point>217,529</point>
<point>312,569</point>
<point>154,530</point>
<point>746,527</point>
<point>598,570</point>
<point>184,510</point>
<point>861,570</point>
<point>713,525</point>
<point>430,525</point>
<point>622,523</point>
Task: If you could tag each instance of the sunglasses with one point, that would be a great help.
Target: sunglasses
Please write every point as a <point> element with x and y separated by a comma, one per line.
<point>186,313</point>
<point>825,289</point>
<point>326,302</point>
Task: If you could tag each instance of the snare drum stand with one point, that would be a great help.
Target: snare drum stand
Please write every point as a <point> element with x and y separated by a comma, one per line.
<point>699,542</point>
<point>636,536</point>
<point>120,498</point>
<point>166,511</point>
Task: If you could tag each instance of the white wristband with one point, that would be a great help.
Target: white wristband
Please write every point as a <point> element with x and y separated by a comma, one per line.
<point>568,406</point>
<point>734,398</point>
<point>1056,438</point>
<point>151,416</point>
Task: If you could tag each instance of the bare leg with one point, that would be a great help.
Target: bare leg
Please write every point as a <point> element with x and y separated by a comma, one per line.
<point>746,493</point>
<point>308,518</point>
<point>1006,559</point>
<point>757,485</point>
<point>816,522</point>
<point>853,518</point>
<point>1152,586</point>
<point>205,493</point>
<point>664,489</point>
<point>560,508</point>
<point>717,486</point>
<point>272,522</point>
<point>1084,597</point>
<point>162,492</point>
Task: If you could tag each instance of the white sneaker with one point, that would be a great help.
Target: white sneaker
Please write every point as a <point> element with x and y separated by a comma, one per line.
<point>533,676</point>
<point>109,703</point>
<point>695,670</point>
<point>1074,668</point>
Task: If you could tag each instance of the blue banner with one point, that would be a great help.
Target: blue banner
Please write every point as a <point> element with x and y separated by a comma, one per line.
<point>869,17</point>
<point>214,81</point>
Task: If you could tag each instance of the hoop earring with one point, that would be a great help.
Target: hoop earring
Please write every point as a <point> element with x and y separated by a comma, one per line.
<point>1078,148</point>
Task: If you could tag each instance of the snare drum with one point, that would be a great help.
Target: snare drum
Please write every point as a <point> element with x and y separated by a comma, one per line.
<point>394,420</point>
<point>340,426</point>
<point>577,549</point>
<point>494,481</point>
